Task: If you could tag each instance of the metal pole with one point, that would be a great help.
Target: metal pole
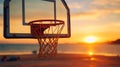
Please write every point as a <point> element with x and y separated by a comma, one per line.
<point>23,12</point>
<point>6,18</point>
<point>55,10</point>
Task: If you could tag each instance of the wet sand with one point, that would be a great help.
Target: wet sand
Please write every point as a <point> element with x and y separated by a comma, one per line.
<point>64,60</point>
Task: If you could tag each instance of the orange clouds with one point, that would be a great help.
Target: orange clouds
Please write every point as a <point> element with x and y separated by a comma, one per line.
<point>106,2</point>
<point>94,9</point>
<point>85,16</point>
<point>106,5</point>
<point>117,11</point>
<point>75,5</point>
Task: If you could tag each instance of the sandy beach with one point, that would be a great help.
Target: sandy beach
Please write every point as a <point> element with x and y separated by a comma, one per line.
<point>63,60</point>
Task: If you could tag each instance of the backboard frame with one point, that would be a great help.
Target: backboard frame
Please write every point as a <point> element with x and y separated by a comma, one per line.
<point>7,33</point>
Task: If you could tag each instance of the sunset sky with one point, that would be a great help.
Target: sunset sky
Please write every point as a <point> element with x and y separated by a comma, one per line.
<point>98,18</point>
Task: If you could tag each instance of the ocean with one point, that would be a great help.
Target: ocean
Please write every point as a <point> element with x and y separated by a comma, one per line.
<point>103,49</point>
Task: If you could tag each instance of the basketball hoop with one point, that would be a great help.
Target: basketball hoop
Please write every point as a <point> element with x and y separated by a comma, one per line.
<point>44,30</point>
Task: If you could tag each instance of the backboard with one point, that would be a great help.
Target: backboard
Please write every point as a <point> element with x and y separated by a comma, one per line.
<point>18,13</point>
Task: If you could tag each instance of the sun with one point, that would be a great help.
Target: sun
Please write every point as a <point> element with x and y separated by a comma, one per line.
<point>90,53</point>
<point>90,39</point>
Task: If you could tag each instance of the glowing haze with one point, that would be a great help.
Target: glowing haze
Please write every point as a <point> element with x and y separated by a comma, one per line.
<point>90,39</point>
<point>99,18</point>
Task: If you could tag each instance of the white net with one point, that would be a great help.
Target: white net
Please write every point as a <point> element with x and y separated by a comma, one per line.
<point>42,31</point>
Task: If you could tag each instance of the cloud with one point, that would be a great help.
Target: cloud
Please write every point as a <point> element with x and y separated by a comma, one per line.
<point>111,6</point>
<point>79,5</point>
<point>75,5</point>
<point>95,9</point>
<point>117,11</point>
<point>85,15</point>
<point>106,2</point>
